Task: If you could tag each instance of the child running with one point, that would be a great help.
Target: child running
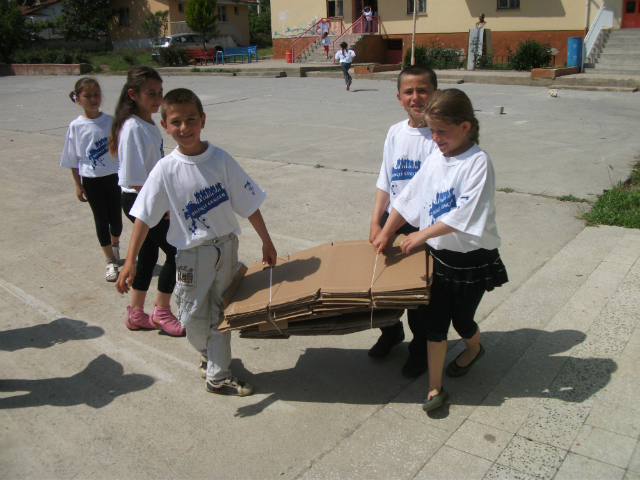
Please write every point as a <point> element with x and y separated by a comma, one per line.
<point>452,199</point>
<point>94,170</point>
<point>407,146</point>
<point>138,142</point>
<point>346,56</point>
<point>203,188</point>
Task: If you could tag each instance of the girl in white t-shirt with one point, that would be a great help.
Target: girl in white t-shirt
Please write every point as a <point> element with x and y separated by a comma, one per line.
<point>138,143</point>
<point>346,56</point>
<point>94,170</point>
<point>451,198</point>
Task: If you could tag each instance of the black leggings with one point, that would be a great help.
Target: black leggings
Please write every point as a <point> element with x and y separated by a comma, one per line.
<point>416,317</point>
<point>148,255</point>
<point>103,194</point>
<point>446,307</point>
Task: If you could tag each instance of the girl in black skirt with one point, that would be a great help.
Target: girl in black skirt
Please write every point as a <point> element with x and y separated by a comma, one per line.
<point>451,199</point>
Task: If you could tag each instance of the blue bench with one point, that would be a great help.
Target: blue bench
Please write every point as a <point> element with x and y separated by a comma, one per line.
<point>234,52</point>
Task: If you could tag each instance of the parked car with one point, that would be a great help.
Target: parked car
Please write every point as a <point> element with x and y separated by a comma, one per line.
<point>185,40</point>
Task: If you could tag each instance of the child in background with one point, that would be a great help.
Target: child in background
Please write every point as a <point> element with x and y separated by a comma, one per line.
<point>452,199</point>
<point>203,188</point>
<point>325,43</point>
<point>138,142</point>
<point>94,170</point>
<point>346,56</point>
<point>407,146</point>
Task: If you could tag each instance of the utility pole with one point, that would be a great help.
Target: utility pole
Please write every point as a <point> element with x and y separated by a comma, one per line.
<point>258,7</point>
<point>413,36</point>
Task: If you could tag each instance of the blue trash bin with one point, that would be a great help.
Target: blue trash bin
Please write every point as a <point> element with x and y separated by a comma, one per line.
<point>574,52</point>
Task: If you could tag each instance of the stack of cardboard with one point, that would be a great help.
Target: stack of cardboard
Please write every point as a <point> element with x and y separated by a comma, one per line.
<point>335,288</point>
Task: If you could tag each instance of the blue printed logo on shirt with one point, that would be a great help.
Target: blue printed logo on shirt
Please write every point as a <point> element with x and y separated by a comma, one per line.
<point>206,199</point>
<point>101,147</point>
<point>249,187</point>
<point>405,169</point>
<point>445,202</point>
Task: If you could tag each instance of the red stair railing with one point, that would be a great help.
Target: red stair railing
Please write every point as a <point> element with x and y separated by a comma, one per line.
<point>358,27</point>
<point>311,35</point>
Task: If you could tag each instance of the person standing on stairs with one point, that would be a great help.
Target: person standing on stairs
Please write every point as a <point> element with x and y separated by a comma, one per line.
<point>345,55</point>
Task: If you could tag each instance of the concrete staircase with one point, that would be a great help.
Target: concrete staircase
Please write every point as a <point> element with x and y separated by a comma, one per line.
<point>315,53</point>
<point>620,54</point>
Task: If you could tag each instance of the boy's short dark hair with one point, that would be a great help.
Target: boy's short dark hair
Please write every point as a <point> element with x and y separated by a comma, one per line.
<point>180,96</point>
<point>419,71</point>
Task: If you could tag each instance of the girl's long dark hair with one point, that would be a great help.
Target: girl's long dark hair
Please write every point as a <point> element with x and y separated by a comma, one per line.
<point>80,85</point>
<point>125,106</point>
<point>452,106</point>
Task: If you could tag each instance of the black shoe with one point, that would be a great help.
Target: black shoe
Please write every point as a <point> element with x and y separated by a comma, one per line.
<point>455,370</point>
<point>416,365</point>
<point>386,342</point>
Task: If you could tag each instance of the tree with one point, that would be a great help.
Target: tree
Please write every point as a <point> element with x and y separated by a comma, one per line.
<point>260,25</point>
<point>85,20</point>
<point>156,24</point>
<point>202,18</point>
<point>15,31</point>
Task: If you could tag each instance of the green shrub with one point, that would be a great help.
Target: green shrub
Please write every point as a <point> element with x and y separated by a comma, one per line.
<point>61,56</point>
<point>529,54</point>
<point>172,57</point>
<point>436,56</point>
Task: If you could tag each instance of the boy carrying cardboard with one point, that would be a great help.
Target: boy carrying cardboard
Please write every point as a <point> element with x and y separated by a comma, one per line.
<point>407,146</point>
<point>202,188</point>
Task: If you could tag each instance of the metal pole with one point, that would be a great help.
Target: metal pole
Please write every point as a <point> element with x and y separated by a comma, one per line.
<point>413,36</point>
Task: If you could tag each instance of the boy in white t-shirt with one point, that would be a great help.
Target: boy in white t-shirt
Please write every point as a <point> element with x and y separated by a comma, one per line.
<point>407,146</point>
<point>203,188</point>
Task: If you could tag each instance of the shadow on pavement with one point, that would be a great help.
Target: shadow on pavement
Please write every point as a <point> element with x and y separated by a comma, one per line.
<point>96,386</point>
<point>332,375</point>
<point>47,335</point>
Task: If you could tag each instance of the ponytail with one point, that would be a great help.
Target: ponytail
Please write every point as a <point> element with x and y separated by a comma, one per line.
<point>126,106</point>
<point>453,107</point>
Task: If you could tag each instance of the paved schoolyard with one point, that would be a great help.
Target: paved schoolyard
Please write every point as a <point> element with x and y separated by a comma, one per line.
<point>556,393</point>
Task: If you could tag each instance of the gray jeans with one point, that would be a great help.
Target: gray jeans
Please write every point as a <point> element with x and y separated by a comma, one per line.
<point>203,275</point>
<point>345,71</point>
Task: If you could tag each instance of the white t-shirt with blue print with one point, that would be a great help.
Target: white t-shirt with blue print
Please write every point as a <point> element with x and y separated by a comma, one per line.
<point>459,191</point>
<point>203,195</point>
<point>405,150</point>
<point>86,147</point>
<point>140,146</point>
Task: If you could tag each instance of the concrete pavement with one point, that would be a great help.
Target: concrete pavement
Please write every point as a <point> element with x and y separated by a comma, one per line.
<point>556,395</point>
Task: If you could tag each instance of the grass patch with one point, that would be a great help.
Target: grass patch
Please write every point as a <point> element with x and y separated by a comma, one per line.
<point>619,206</point>
<point>120,61</point>
<point>318,166</point>
<point>265,51</point>
<point>571,198</point>
<point>506,190</point>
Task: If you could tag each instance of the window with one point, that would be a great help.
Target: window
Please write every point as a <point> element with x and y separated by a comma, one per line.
<point>421,4</point>
<point>631,7</point>
<point>236,11</point>
<point>334,8</point>
<point>180,8</point>
<point>508,4</point>
<point>125,19</point>
<point>222,13</point>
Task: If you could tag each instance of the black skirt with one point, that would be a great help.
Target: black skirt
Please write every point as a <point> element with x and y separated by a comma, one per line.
<point>467,273</point>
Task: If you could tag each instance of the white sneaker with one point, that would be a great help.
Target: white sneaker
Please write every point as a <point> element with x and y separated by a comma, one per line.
<point>112,272</point>
<point>116,252</point>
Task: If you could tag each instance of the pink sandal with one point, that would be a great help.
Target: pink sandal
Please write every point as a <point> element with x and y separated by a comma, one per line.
<point>136,319</point>
<point>167,321</point>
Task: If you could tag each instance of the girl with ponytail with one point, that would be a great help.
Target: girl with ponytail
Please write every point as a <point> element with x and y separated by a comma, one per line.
<point>451,199</point>
<point>138,143</point>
